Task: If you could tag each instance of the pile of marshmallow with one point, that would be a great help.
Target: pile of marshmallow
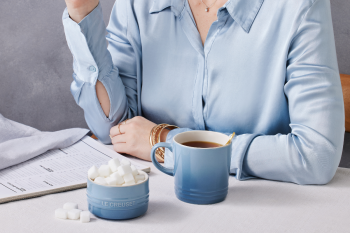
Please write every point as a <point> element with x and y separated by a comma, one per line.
<point>71,211</point>
<point>116,173</point>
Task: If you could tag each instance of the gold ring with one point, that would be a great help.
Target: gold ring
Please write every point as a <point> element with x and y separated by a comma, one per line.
<point>119,128</point>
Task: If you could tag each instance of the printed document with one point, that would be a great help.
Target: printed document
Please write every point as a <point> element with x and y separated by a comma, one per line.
<point>56,170</point>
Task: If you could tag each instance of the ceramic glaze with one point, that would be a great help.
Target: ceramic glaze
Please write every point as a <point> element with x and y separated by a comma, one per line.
<point>118,202</point>
<point>201,175</point>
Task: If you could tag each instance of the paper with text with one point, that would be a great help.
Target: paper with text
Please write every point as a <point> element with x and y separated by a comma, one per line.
<point>56,170</point>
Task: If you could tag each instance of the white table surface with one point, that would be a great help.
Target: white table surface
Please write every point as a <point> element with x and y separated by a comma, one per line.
<point>251,206</point>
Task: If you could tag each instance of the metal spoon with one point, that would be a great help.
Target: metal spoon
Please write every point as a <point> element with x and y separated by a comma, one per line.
<point>229,141</point>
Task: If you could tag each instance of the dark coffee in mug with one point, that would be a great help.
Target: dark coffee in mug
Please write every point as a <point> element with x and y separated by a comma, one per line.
<point>202,144</point>
<point>201,173</point>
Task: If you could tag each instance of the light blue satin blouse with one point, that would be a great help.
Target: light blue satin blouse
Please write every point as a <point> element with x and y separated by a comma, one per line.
<point>268,71</point>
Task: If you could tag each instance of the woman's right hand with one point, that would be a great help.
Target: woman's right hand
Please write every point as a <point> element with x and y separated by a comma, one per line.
<point>78,9</point>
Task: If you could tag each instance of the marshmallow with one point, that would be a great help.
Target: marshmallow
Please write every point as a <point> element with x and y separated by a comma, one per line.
<point>124,169</point>
<point>118,178</point>
<point>114,164</point>
<point>73,214</point>
<point>100,180</point>
<point>129,179</point>
<point>139,181</point>
<point>93,172</point>
<point>125,162</point>
<point>70,206</point>
<point>61,213</point>
<point>140,177</point>
<point>104,170</point>
<point>134,170</point>
<point>84,216</point>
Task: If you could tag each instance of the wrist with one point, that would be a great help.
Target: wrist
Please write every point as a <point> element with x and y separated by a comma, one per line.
<point>78,12</point>
<point>164,134</point>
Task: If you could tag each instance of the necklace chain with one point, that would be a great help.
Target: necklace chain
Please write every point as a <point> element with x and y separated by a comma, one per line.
<point>207,7</point>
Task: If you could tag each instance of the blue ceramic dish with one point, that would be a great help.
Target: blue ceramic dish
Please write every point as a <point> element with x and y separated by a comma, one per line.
<point>118,202</point>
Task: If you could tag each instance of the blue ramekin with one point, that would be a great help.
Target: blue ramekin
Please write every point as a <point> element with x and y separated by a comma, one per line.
<point>118,202</point>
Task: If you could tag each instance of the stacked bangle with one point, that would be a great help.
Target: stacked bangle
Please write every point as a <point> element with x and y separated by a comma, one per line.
<point>154,138</point>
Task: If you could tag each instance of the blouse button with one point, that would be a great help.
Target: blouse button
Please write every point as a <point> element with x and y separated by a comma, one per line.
<point>92,68</point>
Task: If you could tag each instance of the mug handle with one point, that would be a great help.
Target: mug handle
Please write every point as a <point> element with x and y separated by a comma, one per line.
<point>165,170</point>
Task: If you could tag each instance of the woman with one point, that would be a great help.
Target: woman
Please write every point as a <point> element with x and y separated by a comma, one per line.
<point>264,69</point>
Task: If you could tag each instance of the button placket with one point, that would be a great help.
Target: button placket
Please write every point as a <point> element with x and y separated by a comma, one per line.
<point>200,84</point>
<point>212,34</point>
<point>194,38</point>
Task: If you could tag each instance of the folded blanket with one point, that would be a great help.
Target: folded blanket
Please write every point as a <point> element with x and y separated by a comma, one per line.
<point>19,142</point>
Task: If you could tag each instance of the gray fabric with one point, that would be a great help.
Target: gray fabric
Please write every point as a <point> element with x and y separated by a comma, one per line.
<point>19,142</point>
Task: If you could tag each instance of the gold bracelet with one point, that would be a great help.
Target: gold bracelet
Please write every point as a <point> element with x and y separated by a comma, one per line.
<point>171,127</point>
<point>150,136</point>
<point>155,138</point>
<point>154,130</point>
<point>158,134</point>
<point>159,152</point>
<point>155,134</point>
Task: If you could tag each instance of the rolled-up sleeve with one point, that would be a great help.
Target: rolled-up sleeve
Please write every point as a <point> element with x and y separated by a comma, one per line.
<point>112,64</point>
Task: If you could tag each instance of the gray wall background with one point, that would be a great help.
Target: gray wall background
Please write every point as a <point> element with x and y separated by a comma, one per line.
<point>36,64</point>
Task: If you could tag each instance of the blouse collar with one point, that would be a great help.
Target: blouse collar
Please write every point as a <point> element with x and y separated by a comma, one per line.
<point>243,12</point>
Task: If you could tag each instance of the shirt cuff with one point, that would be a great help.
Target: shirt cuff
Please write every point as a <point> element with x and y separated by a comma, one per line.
<point>240,145</point>
<point>88,45</point>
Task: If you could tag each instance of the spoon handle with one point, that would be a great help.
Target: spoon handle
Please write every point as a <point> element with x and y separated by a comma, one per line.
<point>229,141</point>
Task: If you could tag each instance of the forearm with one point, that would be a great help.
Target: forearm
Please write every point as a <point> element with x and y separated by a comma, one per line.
<point>97,85</point>
<point>103,98</point>
<point>302,157</point>
<point>85,96</point>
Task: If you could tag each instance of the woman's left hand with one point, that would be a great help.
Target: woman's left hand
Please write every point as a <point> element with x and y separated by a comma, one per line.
<point>133,138</point>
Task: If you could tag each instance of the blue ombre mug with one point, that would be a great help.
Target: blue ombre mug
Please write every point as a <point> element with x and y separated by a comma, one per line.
<point>201,175</point>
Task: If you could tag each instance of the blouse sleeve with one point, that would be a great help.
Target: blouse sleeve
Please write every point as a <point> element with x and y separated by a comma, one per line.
<point>113,65</point>
<point>310,154</point>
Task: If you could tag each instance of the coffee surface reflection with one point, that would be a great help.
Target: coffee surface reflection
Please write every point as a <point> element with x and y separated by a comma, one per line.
<point>202,144</point>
